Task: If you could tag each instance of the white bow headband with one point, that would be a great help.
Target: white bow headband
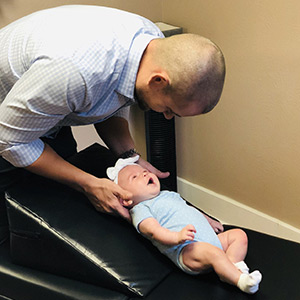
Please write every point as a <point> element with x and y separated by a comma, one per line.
<point>113,172</point>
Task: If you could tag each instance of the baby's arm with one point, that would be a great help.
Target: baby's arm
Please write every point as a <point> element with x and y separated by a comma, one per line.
<point>153,230</point>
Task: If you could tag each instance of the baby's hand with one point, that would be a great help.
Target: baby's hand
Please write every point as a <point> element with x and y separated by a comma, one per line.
<point>186,234</point>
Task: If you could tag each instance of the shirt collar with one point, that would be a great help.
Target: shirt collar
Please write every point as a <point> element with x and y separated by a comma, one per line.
<point>127,79</point>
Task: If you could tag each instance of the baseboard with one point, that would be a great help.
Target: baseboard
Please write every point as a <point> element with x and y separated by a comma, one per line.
<point>229,211</point>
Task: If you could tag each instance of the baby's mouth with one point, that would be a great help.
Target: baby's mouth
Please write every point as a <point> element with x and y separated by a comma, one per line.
<point>150,181</point>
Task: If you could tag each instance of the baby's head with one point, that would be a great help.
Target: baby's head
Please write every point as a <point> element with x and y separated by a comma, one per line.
<point>135,179</point>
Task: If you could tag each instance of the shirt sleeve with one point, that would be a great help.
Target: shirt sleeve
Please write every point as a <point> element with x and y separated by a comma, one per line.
<point>46,93</point>
<point>123,113</point>
<point>139,213</point>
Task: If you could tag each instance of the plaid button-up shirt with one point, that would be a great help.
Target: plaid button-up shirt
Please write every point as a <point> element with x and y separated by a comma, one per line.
<point>66,66</point>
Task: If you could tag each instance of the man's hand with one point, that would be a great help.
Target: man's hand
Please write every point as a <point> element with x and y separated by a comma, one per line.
<point>216,226</point>
<point>152,169</point>
<point>187,233</point>
<point>106,196</point>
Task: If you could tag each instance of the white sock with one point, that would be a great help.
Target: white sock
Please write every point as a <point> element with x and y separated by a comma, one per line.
<point>249,283</point>
<point>241,265</point>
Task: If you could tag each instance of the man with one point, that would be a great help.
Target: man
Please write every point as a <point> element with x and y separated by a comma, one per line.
<point>76,65</point>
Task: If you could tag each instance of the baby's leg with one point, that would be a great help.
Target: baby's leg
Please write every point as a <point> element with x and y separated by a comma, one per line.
<point>235,244</point>
<point>201,256</point>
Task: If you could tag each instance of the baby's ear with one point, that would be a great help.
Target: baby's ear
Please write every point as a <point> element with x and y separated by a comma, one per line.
<point>126,203</point>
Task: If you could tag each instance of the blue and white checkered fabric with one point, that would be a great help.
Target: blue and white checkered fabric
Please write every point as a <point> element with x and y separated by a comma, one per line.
<point>66,66</point>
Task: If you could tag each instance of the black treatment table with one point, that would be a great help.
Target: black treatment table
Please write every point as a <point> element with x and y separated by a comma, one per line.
<point>60,247</point>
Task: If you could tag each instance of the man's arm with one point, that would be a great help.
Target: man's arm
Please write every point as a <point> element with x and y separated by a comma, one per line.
<point>116,135</point>
<point>35,104</point>
<point>153,230</point>
<point>103,193</point>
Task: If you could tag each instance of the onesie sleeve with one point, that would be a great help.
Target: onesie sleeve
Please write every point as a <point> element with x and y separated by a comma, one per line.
<point>139,213</point>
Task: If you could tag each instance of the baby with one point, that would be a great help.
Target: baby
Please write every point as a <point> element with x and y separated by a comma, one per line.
<point>180,231</point>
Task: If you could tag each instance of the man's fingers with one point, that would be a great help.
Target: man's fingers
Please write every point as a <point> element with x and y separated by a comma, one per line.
<point>123,194</point>
<point>124,213</point>
<point>117,210</point>
<point>217,226</point>
<point>152,169</point>
<point>159,173</point>
<point>162,174</point>
<point>109,198</point>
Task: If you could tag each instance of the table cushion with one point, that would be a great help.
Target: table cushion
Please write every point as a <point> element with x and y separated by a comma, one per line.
<point>57,230</point>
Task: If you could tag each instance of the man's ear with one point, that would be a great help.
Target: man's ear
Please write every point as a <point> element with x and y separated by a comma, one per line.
<point>159,81</point>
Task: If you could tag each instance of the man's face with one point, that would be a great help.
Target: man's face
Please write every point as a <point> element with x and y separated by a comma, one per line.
<point>140,182</point>
<point>169,106</point>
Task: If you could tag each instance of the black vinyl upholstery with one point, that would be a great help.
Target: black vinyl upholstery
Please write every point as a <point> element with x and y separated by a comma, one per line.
<point>61,248</point>
<point>58,231</point>
<point>20,283</point>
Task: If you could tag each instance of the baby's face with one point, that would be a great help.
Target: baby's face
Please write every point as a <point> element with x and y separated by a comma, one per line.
<point>140,182</point>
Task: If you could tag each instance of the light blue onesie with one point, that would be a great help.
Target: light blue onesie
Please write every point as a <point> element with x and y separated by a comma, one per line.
<point>173,213</point>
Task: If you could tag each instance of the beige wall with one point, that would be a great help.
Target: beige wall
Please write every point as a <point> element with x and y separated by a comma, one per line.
<point>248,148</point>
<point>11,10</point>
